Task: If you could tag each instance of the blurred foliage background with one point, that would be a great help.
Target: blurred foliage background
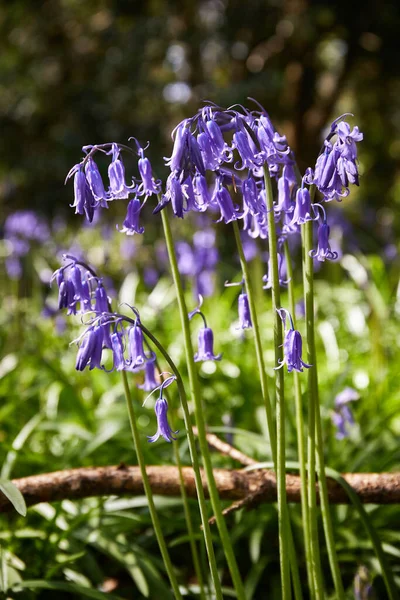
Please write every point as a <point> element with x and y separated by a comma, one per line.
<point>74,73</point>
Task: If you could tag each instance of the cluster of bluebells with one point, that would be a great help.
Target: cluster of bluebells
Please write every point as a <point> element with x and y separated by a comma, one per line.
<point>22,229</point>
<point>80,291</point>
<point>219,162</point>
<point>226,162</point>
<point>342,415</point>
<point>90,193</point>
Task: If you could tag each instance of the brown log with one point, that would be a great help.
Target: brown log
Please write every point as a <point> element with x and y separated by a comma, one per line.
<point>73,484</point>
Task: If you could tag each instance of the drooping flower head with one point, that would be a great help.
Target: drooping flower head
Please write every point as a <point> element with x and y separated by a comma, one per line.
<point>161,410</point>
<point>205,338</point>
<point>78,284</point>
<point>323,251</point>
<point>292,346</point>
<point>336,166</point>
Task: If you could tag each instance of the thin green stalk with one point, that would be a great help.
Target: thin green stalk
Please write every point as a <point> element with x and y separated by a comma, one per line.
<point>280,392</point>
<point>265,394</point>
<point>313,393</point>
<point>186,510</point>
<point>149,495</point>
<point>195,391</point>
<point>300,431</point>
<point>311,385</point>
<point>189,524</point>
<point>195,463</point>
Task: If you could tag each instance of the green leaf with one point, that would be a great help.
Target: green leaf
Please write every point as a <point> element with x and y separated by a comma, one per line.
<point>73,588</point>
<point>14,495</point>
<point>376,542</point>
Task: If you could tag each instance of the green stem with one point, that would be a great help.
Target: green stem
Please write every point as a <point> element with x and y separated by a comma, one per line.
<point>311,387</point>
<point>300,431</point>
<point>149,495</point>
<point>315,407</point>
<point>195,391</point>
<point>195,463</point>
<point>280,394</point>
<point>189,524</point>
<point>186,510</point>
<point>265,395</point>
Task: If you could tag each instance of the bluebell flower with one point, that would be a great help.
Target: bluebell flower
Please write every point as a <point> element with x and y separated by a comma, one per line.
<point>177,160</point>
<point>74,287</point>
<point>303,210</point>
<point>323,251</point>
<point>211,158</point>
<point>95,182</point>
<point>149,185</point>
<point>256,226</point>
<point>90,350</point>
<point>224,201</point>
<point>336,167</point>
<point>116,174</point>
<point>130,226</point>
<point>206,346</point>
<point>137,357</point>
<point>244,312</point>
<point>84,201</point>
<point>150,382</point>
<point>285,203</point>
<point>292,346</point>
<point>202,193</point>
<point>249,160</point>
<point>342,416</point>
<point>163,427</point>
<point>252,200</point>
<point>101,299</point>
<point>117,346</point>
<point>174,194</point>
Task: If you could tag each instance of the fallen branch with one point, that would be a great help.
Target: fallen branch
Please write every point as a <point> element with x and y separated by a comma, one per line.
<point>73,484</point>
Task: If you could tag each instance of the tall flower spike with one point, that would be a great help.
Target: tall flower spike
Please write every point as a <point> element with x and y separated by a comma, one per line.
<point>292,346</point>
<point>161,410</point>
